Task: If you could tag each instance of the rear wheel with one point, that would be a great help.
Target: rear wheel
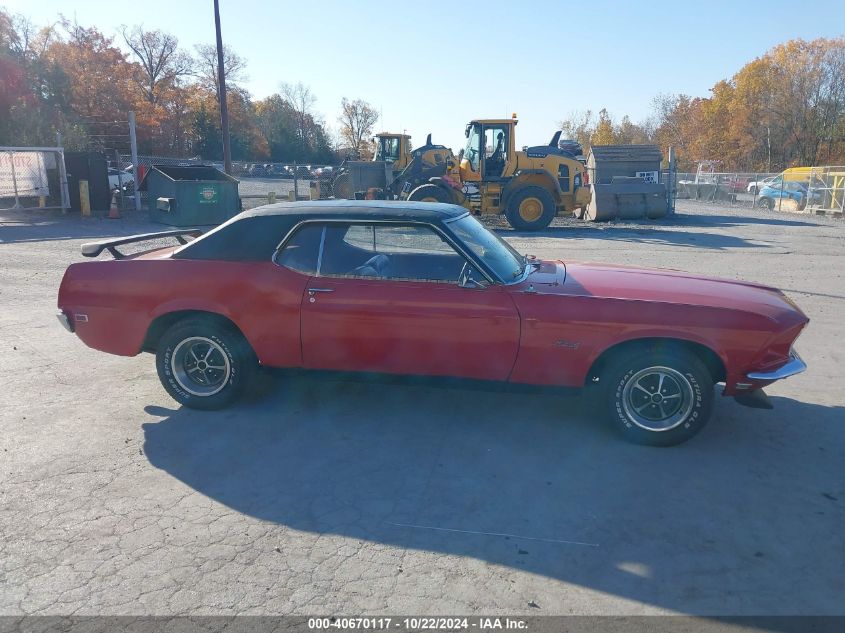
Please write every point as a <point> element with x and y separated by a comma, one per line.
<point>431,193</point>
<point>204,363</point>
<point>530,209</point>
<point>766,203</point>
<point>658,397</point>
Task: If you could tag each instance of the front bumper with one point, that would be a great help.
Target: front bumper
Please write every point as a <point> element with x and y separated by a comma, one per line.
<point>793,366</point>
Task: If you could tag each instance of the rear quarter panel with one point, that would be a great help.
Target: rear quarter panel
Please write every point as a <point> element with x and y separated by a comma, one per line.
<point>121,298</point>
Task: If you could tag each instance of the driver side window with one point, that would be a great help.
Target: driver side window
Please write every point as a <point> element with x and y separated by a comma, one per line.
<point>386,251</point>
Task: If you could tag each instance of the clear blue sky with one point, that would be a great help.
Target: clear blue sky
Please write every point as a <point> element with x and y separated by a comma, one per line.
<point>431,67</point>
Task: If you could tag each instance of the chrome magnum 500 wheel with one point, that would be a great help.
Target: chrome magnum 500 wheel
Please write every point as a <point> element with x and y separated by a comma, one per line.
<point>658,397</point>
<point>204,363</point>
<point>200,366</point>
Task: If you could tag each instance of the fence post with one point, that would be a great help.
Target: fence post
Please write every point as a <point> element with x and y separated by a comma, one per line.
<point>734,185</point>
<point>14,180</point>
<point>65,193</point>
<point>295,181</point>
<point>756,189</point>
<point>133,148</point>
<point>119,179</point>
<point>670,206</point>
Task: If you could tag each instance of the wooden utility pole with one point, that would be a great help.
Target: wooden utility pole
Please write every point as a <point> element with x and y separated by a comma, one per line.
<point>221,93</point>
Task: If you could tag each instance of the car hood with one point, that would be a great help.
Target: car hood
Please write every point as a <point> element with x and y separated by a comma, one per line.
<point>658,285</point>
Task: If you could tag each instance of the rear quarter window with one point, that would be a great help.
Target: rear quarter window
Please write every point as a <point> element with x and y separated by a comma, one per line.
<point>301,250</point>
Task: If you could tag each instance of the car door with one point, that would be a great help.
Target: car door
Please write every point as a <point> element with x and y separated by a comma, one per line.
<point>386,298</point>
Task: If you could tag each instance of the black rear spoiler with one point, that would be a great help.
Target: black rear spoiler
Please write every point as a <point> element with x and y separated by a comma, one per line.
<point>93,249</point>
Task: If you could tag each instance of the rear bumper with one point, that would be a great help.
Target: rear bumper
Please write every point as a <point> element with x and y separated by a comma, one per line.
<point>793,366</point>
<point>65,321</point>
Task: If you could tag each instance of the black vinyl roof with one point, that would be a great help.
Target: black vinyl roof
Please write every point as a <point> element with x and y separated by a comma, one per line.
<point>254,235</point>
<point>361,209</point>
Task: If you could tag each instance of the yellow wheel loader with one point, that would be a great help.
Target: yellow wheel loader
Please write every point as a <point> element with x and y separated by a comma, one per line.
<point>392,155</point>
<point>530,187</point>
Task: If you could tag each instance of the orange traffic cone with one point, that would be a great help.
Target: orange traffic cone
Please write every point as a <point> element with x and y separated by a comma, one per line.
<point>114,209</point>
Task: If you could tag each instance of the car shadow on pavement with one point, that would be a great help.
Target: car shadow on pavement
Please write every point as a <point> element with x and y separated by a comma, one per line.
<point>714,241</point>
<point>725,524</point>
<point>571,227</point>
<point>740,220</point>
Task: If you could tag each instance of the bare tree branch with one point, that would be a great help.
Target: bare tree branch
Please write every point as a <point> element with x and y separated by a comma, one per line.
<point>162,62</point>
<point>206,68</point>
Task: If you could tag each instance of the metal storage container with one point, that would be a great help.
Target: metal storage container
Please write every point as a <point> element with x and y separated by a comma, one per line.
<point>192,195</point>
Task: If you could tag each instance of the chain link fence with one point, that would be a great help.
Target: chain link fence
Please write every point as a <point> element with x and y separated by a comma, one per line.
<point>812,189</point>
<point>33,177</point>
<point>36,178</point>
<point>733,189</point>
<point>826,190</point>
<point>263,183</point>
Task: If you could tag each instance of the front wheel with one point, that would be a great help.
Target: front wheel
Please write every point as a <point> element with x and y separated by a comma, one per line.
<point>766,203</point>
<point>530,209</point>
<point>657,397</point>
<point>204,363</point>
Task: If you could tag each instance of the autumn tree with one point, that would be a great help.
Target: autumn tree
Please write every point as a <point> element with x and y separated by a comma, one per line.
<point>100,78</point>
<point>629,133</point>
<point>588,130</point>
<point>32,88</point>
<point>603,134</point>
<point>578,126</point>
<point>782,109</point>
<point>357,120</point>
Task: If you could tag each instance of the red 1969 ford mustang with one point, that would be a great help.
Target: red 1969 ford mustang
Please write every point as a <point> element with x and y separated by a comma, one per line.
<point>425,289</point>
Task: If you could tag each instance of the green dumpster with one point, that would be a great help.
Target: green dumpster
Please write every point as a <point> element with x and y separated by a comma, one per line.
<point>193,195</point>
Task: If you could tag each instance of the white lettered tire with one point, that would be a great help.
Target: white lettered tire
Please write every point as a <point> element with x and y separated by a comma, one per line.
<point>204,363</point>
<point>657,396</point>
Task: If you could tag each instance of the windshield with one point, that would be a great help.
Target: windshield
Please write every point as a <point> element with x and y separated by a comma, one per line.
<point>499,256</point>
<point>387,149</point>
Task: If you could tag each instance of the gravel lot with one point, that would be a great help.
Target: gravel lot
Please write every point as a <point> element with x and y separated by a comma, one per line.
<point>322,496</point>
<point>254,190</point>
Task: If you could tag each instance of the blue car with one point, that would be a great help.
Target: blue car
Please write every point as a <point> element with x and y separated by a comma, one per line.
<point>788,190</point>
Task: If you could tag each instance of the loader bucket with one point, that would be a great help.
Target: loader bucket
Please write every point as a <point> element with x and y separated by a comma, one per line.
<point>625,201</point>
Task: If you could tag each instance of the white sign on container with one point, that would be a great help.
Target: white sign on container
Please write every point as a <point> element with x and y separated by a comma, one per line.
<point>648,176</point>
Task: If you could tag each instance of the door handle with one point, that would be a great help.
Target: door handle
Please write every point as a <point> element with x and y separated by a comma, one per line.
<point>311,291</point>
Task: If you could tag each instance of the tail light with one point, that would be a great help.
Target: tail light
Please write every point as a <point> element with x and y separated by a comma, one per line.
<point>586,178</point>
